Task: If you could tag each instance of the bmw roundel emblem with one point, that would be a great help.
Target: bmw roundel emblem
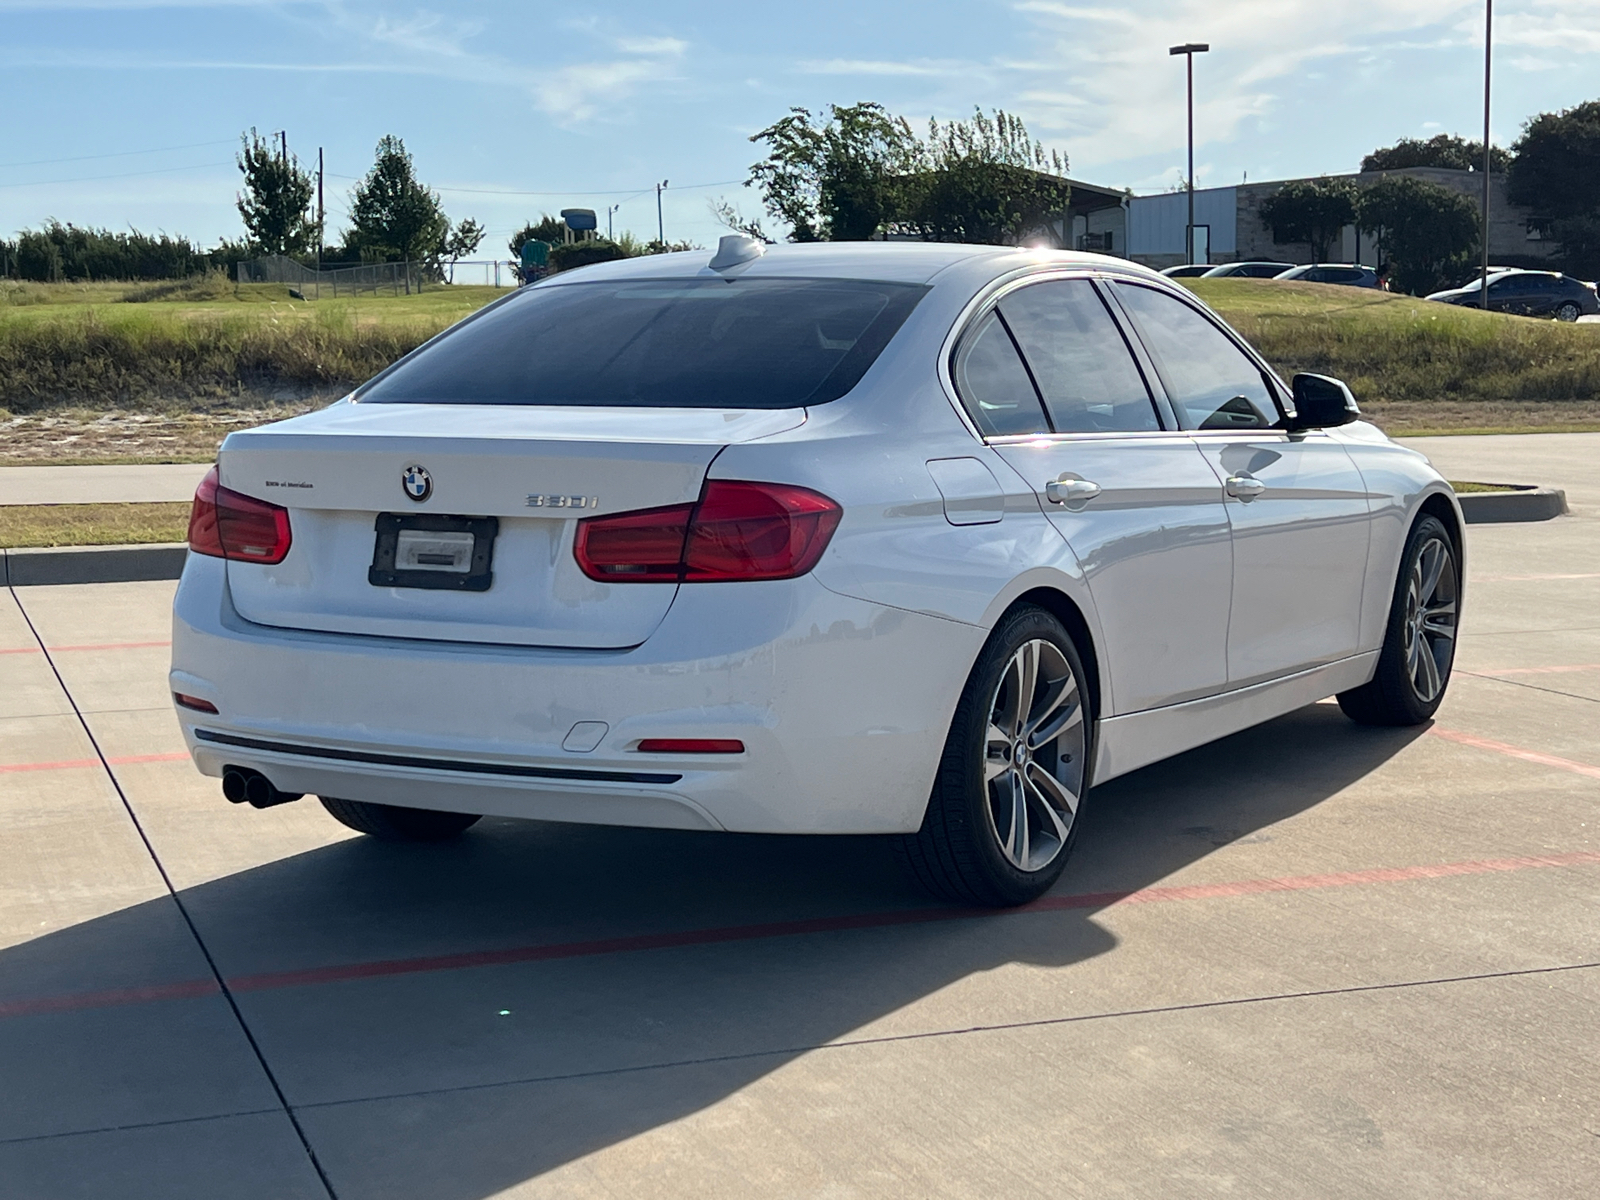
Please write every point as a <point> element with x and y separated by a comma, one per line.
<point>417,483</point>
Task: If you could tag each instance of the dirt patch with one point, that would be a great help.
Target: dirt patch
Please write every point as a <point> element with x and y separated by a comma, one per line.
<point>66,436</point>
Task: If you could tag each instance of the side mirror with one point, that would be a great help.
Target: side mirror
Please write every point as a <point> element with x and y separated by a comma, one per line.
<point>1321,402</point>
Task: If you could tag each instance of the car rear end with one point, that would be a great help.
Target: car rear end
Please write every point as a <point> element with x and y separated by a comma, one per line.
<point>521,574</point>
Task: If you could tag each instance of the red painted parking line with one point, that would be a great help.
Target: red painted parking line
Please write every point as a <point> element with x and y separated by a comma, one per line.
<point>78,763</point>
<point>349,972</point>
<point>93,646</point>
<point>1533,756</point>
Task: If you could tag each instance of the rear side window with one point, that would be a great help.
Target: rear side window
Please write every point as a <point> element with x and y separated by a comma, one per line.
<point>1084,369</point>
<point>670,343</point>
<point>1212,383</point>
<point>993,383</point>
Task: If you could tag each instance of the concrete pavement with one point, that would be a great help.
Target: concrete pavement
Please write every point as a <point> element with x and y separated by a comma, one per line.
<point>131,483</point>
<point>1312,960</point>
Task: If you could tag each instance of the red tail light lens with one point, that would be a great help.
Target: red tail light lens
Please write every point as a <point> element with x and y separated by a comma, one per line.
<point>737,532</point>
<point>227,524</point>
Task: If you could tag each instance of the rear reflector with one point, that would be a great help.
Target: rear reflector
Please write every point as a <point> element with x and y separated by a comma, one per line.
<point>194,702</point>
<point>737,531</point>
<point>691,746</point>
<point>229,524</point>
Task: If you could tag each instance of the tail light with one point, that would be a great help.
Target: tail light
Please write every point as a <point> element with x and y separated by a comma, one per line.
<point>228,524</point>
<point>737,531</point>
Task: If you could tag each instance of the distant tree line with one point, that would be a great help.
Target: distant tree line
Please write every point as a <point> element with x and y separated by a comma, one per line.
<point>394,217</point>
<point>60,253</point>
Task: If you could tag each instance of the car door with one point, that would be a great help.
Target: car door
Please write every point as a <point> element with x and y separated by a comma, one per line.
<point>1048,374</point>
<point>1296,503</point>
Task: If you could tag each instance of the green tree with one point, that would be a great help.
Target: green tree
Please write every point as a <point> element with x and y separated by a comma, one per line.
<point>986,181</point>
<point>276,200</point>
<point>393,216</point>
<point>1313,211</point>
<point>841,179</point>
<point>1555,172</point>
<point>461,240</point>
<point>1441,150</point>
<point>1428,233</point>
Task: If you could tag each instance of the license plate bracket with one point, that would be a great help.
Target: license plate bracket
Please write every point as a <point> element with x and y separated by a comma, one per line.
<point>424,550</point>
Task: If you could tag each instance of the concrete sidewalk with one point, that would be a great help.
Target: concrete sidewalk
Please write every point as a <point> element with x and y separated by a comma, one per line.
<point>132,483</point>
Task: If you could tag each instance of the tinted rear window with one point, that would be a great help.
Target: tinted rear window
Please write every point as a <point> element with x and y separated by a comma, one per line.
<point>670,343</point>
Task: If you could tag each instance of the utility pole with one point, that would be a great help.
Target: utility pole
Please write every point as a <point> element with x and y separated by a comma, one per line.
<point>1189,50</point>
<point>283,141</point>
<point>610,237</point>
<point>1488,34</point>
<point>661,226</point>
<point>320,215</point>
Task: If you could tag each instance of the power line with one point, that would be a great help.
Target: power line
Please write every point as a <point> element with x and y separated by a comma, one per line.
<point>124,175</point>
<point>45,162</point>
<point>630,193</point>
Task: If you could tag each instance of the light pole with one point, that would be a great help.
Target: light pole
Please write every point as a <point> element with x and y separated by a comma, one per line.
<point>611,212</point>
<point>1189,50</point>
<point>661,226</point>
<point>1488,34</point>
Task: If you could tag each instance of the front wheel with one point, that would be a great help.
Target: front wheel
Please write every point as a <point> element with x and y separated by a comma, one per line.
<point>1008,796</point>
<point>1419,646</point>
<point>391,823</point>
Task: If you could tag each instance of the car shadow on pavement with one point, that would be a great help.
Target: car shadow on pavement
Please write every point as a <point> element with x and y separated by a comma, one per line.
<point>456,1081</point>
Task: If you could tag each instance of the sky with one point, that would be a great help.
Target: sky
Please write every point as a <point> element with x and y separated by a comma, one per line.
<point>122,113</point>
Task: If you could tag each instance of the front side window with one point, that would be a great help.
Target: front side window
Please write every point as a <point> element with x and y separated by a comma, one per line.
<point>667,343</point>
<point>993,383</point>
<point>1084,369</point>
<point>1210,381</point>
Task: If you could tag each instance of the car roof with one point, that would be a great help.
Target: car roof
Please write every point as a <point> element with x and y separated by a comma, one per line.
<point>888,262</point>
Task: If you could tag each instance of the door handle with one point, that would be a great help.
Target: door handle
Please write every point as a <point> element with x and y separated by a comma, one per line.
<point>1245,487</point>
<point>1071,491</point>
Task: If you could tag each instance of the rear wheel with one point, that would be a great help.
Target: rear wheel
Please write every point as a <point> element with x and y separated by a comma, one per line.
<point>391,823</point>
<point>1006,802</point>
<point>1419,647</point>
<point>1568,312</point>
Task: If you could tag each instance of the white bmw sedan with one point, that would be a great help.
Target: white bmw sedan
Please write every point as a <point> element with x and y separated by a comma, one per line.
<point>834,539</point>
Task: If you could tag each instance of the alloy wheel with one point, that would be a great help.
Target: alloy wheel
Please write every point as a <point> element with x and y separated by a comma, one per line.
<point>1430,618</point>
<point>1034,750</point>
<point>1567,312</point>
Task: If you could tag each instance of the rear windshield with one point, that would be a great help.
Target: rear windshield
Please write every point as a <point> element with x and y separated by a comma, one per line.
<point>673,343</point>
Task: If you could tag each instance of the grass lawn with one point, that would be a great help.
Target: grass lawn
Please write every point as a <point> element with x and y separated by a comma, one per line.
<point>161,372</point>
<point>1420,367</point>
<point>91,524</point>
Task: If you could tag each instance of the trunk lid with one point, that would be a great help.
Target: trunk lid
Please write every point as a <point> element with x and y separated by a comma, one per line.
<point>536,470</point>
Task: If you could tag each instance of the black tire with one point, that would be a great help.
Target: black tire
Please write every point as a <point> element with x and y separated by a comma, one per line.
<point>984,781</point>
<point>391,823</point>
<point>1405,690</point>
<point>1568,312</point>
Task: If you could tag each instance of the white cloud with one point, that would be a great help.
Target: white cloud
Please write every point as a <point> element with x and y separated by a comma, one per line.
<point>867,66</point>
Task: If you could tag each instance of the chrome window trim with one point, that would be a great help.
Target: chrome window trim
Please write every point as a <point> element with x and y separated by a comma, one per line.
<point>996,290</point>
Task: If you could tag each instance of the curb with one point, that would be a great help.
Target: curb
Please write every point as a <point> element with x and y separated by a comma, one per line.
<point>92,564</point>
<point>1523,503</point>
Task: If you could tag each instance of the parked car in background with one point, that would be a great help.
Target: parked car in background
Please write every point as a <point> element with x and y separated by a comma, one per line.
<point>1186,270</point>
<point>1529,294</point>
<point>840,538</point>
<point>1247,270</point>
<point>1349,274</point>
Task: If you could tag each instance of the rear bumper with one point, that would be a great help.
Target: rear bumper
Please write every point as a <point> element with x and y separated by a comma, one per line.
<point>842,705</point>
